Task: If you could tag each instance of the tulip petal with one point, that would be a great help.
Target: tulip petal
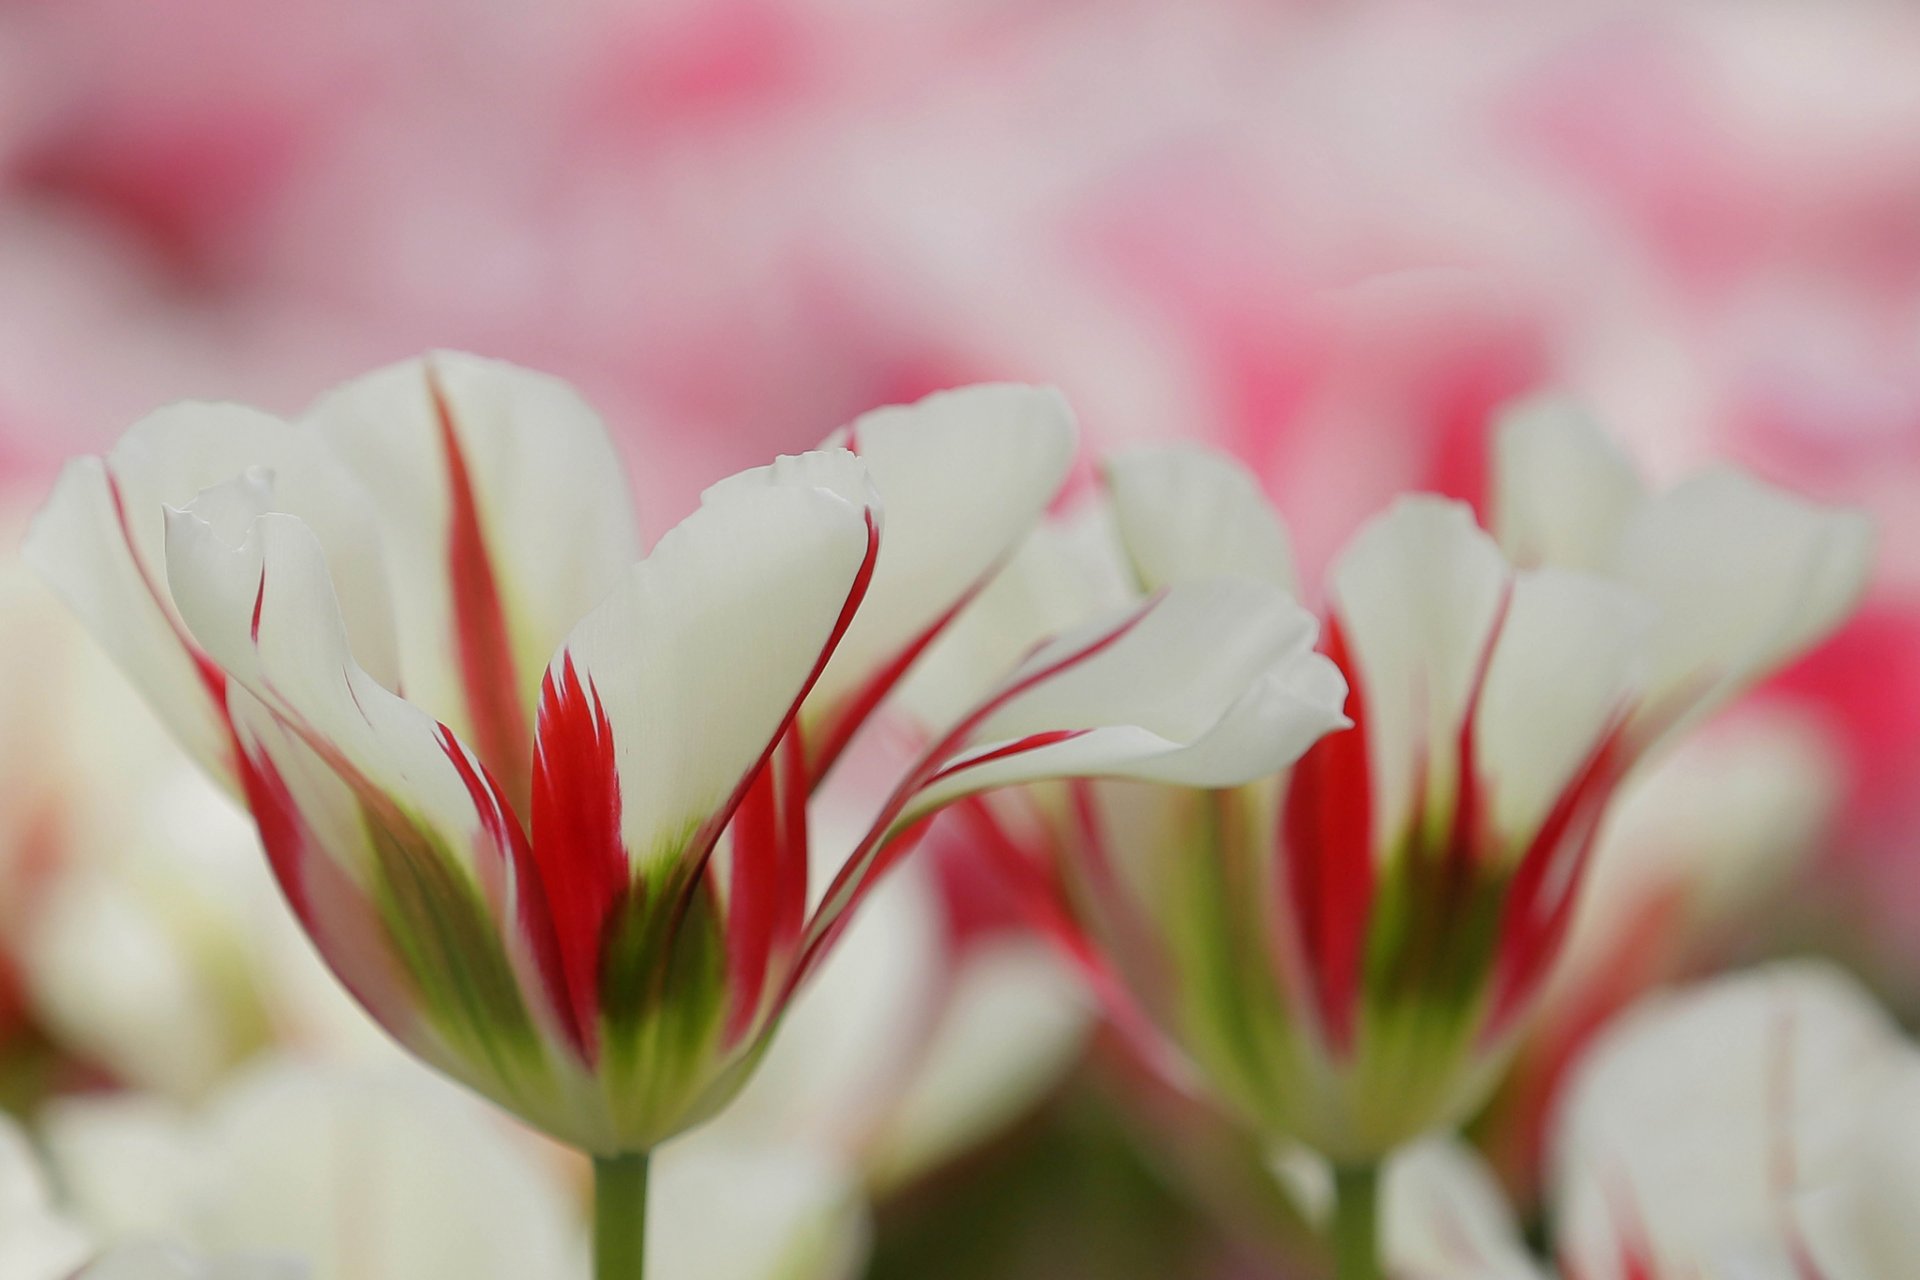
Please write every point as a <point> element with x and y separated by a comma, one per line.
<point>1418,594</point>
<point>1745,576</point>
<point>1211,684</point>
<point>964,474</point>
<point>505,515</point>
<point>667,698</point>
<point>101,541</point>
<point>1186,512</point>
<point>392,843</point>
<point>1562,490</point>
<point>1567,662</point>
<point>1446,1218</point>
<point>1692,1126</point>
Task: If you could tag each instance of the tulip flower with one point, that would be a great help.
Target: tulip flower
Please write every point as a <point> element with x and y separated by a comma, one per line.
<point>1345,954</point>
<point>542,808</point>
<point>1761,1124</point>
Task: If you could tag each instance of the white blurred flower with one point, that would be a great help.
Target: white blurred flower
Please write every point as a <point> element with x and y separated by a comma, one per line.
<point>380,1171</point>
<point>1761,1126</point>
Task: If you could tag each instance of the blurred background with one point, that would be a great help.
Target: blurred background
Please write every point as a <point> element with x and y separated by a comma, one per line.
<point>1331,237</point>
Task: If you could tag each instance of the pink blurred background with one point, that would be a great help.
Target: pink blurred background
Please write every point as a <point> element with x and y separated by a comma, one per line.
<point>1331,237</point>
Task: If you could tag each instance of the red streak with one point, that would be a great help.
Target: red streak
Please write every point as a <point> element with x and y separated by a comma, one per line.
<point>491,678</point>
<point>1533,926</point>
<point>769,878</point>
<point>1326,828</point>
<point>579,855</point>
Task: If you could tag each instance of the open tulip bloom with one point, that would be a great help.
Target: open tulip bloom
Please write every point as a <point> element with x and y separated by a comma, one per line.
<point>1344,953</point>
<point>539,802</point>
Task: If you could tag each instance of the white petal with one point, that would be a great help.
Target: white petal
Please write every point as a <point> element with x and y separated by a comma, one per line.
<point>378,1173</point>
<point>1416,594</point>
<point>1185,512</point>
<point>1562,491</point>
<point>1861,1225</point>
<point>700,654</point>
<point>1212,683</point>
<point>724,1210</point>
<point>1445,1218</point>
<point>100,541</point>
<point>964,475</point>
<point>1065,573</point>
<point>1722,822</point>
<point>1566,664</point>
<point>553,516</point>
<point>1745,577</point>
<point>1691,1126</point>
<point>36,1243</point>
<point>152,1261</point>
<point>370,777</point>
<point>1012,1024</point>
<point>264,609</point>
<point>847,1046</point>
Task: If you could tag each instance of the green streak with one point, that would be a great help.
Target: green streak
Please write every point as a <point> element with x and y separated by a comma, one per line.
<point>620,1217</point>
<point>1356,1224</point>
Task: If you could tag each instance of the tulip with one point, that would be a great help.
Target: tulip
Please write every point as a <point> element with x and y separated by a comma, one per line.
<point>541,808</point>
<point>1346,954</point>
<point>1759,1124</point>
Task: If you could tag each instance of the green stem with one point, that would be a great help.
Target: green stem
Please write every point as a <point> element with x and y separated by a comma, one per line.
<point>1356,1224</point>
<point>620,1217</point>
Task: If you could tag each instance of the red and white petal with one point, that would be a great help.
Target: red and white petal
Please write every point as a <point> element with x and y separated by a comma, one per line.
<point>1065,573</point>
<point>669,696</point>
<point>101,541</point>
<point>361,795</point>
<point>1746,576</point>
<point>1417,593</point>
<point>1562,491</point>
<point>1692,1127</point>
<point>964,475</point>
<point>1185,512</point>
<point>506,517</point>
<point>1210,684</point>
<point>1566,666</point>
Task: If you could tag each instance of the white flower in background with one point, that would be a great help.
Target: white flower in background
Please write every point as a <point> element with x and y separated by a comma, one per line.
<point>380,1171</point>
<point>1743,1128</point>
<point>148,937</point>
<point>41,1242</point>
<point>1761,1126</point>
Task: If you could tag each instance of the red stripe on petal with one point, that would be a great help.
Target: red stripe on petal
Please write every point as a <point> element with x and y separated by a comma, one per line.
<point>489,676</point>
<point>330,907</point>
<point>507,851</point>
<point>212,678</point>
<point>1327,847</point>
<point>768,897</point>
<point>700,848</point>
<point>845,720</point>
<point>578,853</point>
<point>1546,884</point>
<point>863,868</point>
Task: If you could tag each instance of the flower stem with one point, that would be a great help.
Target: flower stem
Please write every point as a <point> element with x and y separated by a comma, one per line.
<point>620,1217</point>
<point>1356,1224</point>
